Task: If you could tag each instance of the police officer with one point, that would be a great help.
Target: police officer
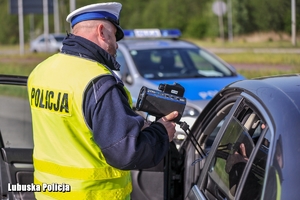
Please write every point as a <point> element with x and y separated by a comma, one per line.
<point>85,133</point>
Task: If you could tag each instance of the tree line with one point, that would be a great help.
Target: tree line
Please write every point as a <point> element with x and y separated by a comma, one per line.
<point>195,18</point>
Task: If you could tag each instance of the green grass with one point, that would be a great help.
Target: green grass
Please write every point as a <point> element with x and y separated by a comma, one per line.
<point>20,65</point>
<point>254,40</point>
<point>276,64</point>
<point>243,44</point>
<point>262,58</point>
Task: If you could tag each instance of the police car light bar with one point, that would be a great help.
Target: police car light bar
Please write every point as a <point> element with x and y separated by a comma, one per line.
<point>152,33</point>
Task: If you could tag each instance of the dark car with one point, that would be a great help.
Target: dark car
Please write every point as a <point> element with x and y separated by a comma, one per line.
<point>244,145</point>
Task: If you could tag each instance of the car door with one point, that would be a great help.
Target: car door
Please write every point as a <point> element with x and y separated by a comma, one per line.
<point>234,132</point>
<point>16,141</point>
<point>164,181</point>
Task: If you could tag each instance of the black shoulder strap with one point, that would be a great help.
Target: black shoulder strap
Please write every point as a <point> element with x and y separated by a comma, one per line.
<point>109,81</point>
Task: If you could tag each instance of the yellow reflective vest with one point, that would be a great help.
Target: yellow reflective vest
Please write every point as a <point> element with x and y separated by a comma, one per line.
<point>67,161</point>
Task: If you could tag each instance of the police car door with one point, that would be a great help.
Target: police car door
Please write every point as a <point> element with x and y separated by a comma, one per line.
<point>16,141</point>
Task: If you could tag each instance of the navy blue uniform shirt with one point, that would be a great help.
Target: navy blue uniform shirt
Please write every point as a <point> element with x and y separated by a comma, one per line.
<point>116,127</point>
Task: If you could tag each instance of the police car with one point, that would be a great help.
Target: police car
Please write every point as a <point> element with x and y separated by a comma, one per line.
<point>150,57</point>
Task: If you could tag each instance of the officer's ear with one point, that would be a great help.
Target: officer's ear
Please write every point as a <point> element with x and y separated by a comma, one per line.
<point>101,31</point>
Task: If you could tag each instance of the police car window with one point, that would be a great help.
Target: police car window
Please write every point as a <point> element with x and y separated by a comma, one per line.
<point>207,64</point>
<point>178,63</point>
<point>15,117</point>
<point>121,60</point>
<point>201,63</point>
<point>144,63</point>
<point>160,63</point>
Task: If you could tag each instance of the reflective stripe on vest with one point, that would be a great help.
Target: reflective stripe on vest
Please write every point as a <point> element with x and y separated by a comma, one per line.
<point>116,194</point>
<point>78,173</point>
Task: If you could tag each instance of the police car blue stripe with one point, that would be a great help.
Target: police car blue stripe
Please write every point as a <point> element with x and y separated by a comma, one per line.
<point>200,88</point>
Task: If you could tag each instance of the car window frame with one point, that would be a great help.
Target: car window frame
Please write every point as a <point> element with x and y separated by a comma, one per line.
<point>270,129</point>
<point>16,162</point>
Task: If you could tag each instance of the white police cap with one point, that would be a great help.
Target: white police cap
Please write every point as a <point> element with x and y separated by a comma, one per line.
<point>109,11</point>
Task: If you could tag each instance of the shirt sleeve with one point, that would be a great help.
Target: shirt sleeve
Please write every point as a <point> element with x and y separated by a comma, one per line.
<point>117,129</point>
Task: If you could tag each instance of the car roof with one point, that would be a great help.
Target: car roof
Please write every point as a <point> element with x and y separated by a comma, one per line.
<point>286,85</point>
<point>140,44</point>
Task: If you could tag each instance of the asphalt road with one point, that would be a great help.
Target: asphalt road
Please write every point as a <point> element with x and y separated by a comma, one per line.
<point>15,122</point>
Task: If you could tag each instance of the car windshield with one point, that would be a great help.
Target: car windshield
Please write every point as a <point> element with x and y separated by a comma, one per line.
<point>59,38</point>
<point>178,63</point>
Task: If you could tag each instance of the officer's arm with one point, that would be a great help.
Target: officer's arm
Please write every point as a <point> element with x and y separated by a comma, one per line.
<point>117,130</point>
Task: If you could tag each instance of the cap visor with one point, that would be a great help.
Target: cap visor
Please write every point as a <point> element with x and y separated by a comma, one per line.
<point>119,33</point>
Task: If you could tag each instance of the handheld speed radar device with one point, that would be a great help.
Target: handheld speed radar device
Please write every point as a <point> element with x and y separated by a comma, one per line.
<point>164,101</point>
<point>161,102</point>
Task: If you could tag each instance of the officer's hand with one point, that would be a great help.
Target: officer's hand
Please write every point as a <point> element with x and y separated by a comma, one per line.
<point>146,124</point>
<point>169,124</point>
